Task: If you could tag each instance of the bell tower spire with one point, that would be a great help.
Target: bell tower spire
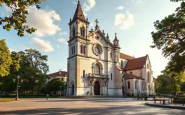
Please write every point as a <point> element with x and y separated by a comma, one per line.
<point>79,13</point>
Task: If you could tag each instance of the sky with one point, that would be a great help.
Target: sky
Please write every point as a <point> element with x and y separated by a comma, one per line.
<point>132,20</point>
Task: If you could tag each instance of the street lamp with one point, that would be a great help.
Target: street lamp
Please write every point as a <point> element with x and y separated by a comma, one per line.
<point>17,92</point>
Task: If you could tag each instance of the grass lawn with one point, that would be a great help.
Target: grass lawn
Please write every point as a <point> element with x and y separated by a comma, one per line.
<point>6,99</point>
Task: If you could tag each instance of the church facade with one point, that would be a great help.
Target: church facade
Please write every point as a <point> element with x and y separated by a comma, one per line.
<point>97,67</point>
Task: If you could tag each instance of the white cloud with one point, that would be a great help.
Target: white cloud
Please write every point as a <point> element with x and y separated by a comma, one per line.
<point>43,21</point>
<point>63,40</point>
<point>58,46</point>
<point>42,45</point>
<point>91,24</point>
<point>139,2</point>
<point>63,33</point>
<point>124,21</point>
<point>11,50</point>
<point>120,8</point>
<point>74,2</point>
<point>89,5</point>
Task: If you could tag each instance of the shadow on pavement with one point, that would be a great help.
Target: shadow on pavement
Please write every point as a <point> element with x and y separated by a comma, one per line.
<point>118,110</point>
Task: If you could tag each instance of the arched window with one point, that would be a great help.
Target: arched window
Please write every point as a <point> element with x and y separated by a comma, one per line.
<point>121,63</point>
<point>81,49</point>
<point>128,83</point>
<point>82,31</point>
<point>84,50</point>
<point>73,31</point>
<point>136,84</point>
<point>73,49</point>
<point>148,77</point>
<point>97,69</point>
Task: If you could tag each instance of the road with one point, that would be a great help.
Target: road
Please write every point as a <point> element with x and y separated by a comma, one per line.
<point>85,106</point>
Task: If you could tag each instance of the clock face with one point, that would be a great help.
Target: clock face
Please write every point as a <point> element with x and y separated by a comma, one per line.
<point>97,49</point>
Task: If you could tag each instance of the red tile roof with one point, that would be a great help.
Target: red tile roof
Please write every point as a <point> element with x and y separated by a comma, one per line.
<point>136,63</point>
<point>63,73</point>
<point>124,56</point>
<point>131,76</point>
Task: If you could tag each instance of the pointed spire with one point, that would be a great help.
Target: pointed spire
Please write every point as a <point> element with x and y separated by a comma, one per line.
<point>79,13</point>
<point>116,41</point>
<point>107,36</point>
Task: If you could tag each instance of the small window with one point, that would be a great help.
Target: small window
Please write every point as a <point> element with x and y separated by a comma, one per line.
<point>73,31</point>
<point>97,69</point>
<point>62,79</point>
<point>136,83</point>
<point>111,76</point>
<point>81,49</point>
<point>84,50</point>
<point>131,72</point>
<point>83,73</point>
<point>128,84</point>
<point>82,31</point>
<point>73,49</point>
<point>121,63</point>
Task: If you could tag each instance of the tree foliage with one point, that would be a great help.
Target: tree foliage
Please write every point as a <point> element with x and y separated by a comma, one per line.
<point>170,37</point>
<point>169,81</point>
<point>31,66</point>
<point>33,69</point>
<point>17,19</point>
<point>5,59</point>
<point>54,85</point>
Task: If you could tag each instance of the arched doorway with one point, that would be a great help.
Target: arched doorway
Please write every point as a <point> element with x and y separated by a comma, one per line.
<point>96,88</point>
<point>72,89</point>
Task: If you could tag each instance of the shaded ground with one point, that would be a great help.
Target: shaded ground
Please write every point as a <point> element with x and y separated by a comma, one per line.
<point>88,106</point>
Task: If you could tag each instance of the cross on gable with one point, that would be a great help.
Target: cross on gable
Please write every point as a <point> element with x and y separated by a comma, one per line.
<point>96,21</point>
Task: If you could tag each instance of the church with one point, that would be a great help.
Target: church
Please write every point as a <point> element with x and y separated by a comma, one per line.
<point>97,67</point>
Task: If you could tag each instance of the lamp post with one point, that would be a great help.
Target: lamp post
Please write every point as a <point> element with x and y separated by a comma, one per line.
<point>17,91</point>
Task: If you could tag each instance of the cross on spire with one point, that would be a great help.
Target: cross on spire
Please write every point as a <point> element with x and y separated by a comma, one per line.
<point>96,21</point>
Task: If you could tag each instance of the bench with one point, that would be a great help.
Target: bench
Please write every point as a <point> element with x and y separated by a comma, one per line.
<point>163,100</point>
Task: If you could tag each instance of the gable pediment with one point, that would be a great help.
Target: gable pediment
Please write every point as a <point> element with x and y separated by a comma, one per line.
<point>101,36</point>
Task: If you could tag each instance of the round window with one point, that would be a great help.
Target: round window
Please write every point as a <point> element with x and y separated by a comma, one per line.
<point>97,49</point>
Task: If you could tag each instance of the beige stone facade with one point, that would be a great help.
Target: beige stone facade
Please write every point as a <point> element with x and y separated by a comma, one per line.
<point>97,67</point>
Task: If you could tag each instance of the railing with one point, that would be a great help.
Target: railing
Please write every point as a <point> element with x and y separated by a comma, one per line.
<point>96,75</point>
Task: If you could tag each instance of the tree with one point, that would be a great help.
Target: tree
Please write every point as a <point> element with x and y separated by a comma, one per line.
<point>170,37</point>
<point>5,59</point>
<point>17,19</point>
<point>54,85</point>
<point>33,69</point>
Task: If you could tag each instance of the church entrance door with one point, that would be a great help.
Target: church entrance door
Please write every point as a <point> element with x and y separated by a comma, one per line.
<point>96,88</point>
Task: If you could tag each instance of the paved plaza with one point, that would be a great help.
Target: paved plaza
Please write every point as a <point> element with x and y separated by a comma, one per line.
<point>83,106</point>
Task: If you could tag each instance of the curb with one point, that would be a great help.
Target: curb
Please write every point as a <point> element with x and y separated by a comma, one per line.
<point>165,106</point>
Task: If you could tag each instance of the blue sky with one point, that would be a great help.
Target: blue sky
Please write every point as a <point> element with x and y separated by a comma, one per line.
<point>132,20</point>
